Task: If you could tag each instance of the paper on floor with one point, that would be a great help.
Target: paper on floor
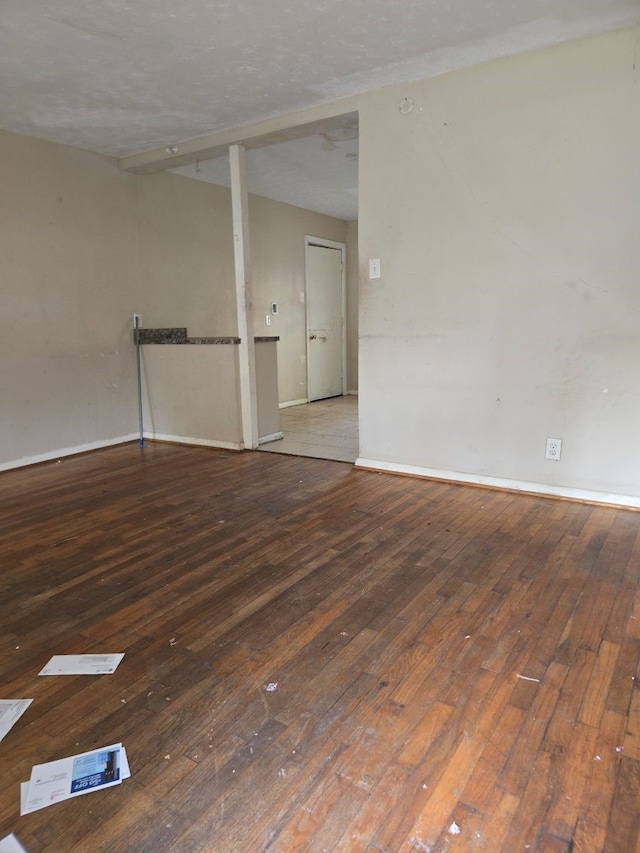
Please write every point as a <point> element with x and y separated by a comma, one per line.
<point>70,777</point>
<point>10,844</point>
<point>82,665</point>
<point>10,711</point>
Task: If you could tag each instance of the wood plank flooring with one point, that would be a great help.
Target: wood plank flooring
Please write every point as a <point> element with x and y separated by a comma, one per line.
<point>452,669</point>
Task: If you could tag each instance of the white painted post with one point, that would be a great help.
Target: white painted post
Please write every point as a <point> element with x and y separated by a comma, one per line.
<point>244,299</point>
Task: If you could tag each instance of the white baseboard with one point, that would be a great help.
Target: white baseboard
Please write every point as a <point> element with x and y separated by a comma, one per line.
<point>65,451</point>
<point>199,442</point>
<point>293,403</point>
<point>274,436</point>
<point>543,489</point>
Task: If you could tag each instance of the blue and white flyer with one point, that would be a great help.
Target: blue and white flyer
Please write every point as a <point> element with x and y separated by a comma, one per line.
<point>71,777</point>
<point>10,711</point>
<point>82,665</point>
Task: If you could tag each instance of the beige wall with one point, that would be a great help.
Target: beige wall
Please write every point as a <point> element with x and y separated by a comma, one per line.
<point>84,245</point>
<point>69,282</point>
<point>352,307</point>
<point>277,258</point>
<point>186,255</point>
<point>191,394</point>
<point>505,211</point>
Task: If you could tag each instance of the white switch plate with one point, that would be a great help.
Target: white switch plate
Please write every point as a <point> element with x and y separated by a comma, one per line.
<point>267,319</point>
<point>374,267</point>
<point>554,449</point>
<point>302,296</point>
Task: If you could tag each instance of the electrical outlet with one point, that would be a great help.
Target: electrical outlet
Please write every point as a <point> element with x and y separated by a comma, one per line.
<point>137,317</point>
<point>554,449</point>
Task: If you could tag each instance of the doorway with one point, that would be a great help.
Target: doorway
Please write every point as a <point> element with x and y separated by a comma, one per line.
<point>325,279</point>
<point>326,429</point>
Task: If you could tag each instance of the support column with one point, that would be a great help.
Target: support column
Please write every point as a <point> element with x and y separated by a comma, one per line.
<point>244,299</point>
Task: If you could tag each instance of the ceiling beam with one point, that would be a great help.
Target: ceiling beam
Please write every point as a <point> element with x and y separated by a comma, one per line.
<point>325,118</point>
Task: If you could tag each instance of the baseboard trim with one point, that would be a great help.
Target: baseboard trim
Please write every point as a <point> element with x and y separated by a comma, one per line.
<point>293,403</point>
<point>352,393</point>
<point>542,489</point>
<point>65,451</point>
<point>197,442</point>
<point>267,439</point>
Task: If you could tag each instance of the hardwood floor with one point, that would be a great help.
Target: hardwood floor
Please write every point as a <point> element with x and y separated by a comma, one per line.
<point>455,669</point>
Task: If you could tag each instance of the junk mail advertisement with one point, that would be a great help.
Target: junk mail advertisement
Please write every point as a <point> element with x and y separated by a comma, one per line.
<point>70,777</point>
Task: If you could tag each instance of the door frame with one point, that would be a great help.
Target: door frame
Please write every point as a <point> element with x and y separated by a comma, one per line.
<point>323,243</point>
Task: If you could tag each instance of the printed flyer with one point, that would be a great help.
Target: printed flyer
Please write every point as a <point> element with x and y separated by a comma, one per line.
<point>71,777</point>
<point>82,665</point>
<point>10,711</point>
<point>10,844</point>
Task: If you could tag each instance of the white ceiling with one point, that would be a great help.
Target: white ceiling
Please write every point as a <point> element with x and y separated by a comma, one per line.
<point>123,76</point>
<point>312,172</point>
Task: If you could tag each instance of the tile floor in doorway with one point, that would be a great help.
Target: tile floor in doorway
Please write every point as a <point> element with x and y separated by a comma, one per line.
<point>326,429</point>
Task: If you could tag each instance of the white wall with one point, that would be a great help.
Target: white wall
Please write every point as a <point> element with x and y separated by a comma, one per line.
<point>505,210</point>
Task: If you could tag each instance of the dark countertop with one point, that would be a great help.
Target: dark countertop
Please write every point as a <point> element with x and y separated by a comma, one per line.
<point>178,335</point>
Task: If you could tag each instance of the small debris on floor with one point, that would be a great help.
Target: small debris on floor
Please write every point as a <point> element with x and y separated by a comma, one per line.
<point>454,829</point>
<point>528,678</point>
<point>172,641</point>
<point>167,757</point>
<point>271,687</point>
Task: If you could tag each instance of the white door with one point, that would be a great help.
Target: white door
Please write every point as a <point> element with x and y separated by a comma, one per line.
<point>325,300</point>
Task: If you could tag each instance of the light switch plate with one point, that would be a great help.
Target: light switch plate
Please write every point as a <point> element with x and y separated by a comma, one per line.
<point>374,267</point>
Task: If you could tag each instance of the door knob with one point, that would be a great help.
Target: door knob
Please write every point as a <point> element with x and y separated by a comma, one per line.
<point>312,337</point>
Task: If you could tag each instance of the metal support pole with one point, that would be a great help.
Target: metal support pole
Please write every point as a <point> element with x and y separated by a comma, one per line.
<point>140,425</point>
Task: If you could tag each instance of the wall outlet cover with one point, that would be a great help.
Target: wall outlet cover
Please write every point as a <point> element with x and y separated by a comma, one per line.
<point>553,449</point>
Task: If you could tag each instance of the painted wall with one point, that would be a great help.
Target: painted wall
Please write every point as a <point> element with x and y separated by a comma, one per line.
<point>277,258</point>
<point>186,255</point>
<point>505,210</point>
<point>84,245</point>
<point>69,282</point>
<point>352,306</point>
<point>191,394</point>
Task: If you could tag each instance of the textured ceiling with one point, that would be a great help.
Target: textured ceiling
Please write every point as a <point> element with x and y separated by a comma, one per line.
<point>313,173</point>
<point>122,76</point>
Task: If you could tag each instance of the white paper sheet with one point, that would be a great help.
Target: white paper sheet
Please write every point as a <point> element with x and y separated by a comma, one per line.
<point>10,711</point>
<point>70,777</point>
<point>10,844</point>
<point>82,665</point>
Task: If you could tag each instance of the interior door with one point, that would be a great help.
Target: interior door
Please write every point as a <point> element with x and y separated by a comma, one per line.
<point>324,321</point>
